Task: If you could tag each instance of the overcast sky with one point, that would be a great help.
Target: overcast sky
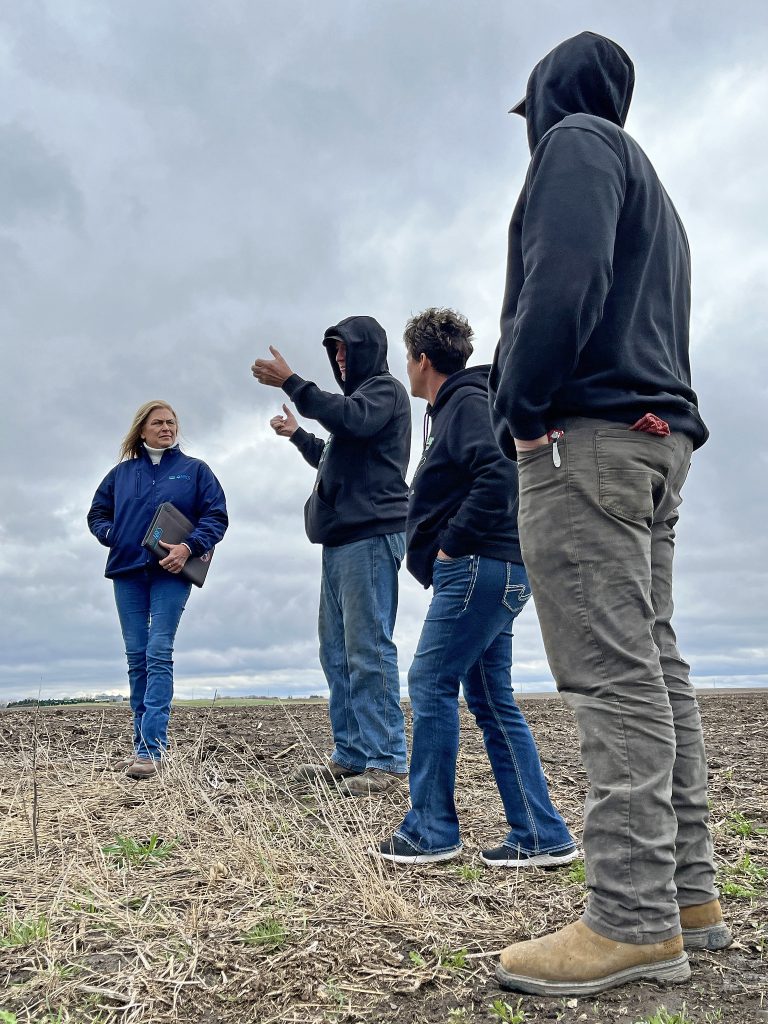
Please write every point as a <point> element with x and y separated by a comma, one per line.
<point>183,183</point>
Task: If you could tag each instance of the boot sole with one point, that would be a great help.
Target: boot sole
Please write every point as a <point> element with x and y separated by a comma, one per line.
<point>421,858</point>
<point>713,936</point>
<point>541,860</point>
<point>669,971</point>
<point>354,794</point>
<point>139,776</point>
<point>333,780</point>
<point>319,773</point>
<point>366,790</point>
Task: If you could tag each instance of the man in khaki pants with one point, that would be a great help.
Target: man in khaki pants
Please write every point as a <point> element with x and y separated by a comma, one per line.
<point>591,389</point>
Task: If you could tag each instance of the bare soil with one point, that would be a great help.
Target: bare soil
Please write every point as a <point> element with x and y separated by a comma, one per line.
<point>258,905</point>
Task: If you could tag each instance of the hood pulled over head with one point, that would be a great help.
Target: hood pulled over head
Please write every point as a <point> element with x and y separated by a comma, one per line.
<point>587,74</point>
<point>366,342</point>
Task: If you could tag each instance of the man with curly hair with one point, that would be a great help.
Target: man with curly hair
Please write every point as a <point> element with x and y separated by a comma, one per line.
<point>461,537</point>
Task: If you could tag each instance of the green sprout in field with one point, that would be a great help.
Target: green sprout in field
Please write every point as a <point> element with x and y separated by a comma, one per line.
<point>125,850</point>
<point>57,1018</point>
<point>455,960</point>
<point>331,991</point>
<point>86,904</point>
<point>502,1011</point>
<point>416,958</point>
<point>663,1016</point>
<point>744,879</point>
<point>468,873</point>
<point>256,784</point>
<point>576,874</point>
<point>270,934</point>
<point>24,932</point>
<point>740,825</point>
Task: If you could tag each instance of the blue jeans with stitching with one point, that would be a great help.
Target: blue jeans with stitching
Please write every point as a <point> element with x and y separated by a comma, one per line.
<point>149,604</point>
<point>358,606</point>
<point>467,641</point>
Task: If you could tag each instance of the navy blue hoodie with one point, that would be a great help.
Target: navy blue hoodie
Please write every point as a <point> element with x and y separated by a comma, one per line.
<point>463,495</point>
<point>360,489</point>
<point>597,302</point>
<point>127,499</point>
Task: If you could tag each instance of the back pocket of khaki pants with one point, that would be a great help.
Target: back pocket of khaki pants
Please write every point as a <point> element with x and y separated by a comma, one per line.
<point>631,474</point>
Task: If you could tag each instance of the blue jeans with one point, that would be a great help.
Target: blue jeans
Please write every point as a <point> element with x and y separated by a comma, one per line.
<point>149,605</point>
<point>467,639</point>
<point>358,605</point>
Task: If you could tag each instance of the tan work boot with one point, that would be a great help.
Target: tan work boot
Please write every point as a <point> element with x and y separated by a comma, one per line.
<point>143,768</point>
<point>578,962</point>
<point>330,772</point>
<point>373,782</point>
<point>704,928</point>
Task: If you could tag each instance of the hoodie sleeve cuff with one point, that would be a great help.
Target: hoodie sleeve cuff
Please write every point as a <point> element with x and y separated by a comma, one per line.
<point>453,546</point>
<point>526,428</point>
<point>292,384</point>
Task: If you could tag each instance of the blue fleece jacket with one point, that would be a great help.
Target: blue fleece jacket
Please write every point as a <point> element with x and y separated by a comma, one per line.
<point>128,496</point>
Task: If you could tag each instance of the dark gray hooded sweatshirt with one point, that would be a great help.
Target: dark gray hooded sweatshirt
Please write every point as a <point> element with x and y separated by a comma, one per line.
<point>360,489</point>
<point>597,302</point>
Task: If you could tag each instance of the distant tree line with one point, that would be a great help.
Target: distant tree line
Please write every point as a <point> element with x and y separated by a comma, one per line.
<point>53,702</point>
<point>32,702</point>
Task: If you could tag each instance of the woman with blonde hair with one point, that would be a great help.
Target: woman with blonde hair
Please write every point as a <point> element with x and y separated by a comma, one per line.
<point>151,595</point>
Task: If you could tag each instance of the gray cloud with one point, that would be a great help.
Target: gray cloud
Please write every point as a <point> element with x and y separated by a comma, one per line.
<point>183,184</point>
<point>33,182</point>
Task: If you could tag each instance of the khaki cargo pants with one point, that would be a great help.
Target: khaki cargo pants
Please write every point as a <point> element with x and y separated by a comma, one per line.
<point>597,534</point>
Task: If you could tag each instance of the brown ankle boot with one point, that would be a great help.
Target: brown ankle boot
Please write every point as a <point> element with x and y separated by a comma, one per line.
<point>122,763</point>
<point>704,928</point>
<point>143,768</point>
<point>578,962</point>
<point>373,782</point>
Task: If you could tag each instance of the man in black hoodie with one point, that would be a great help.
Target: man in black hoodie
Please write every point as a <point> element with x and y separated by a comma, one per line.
<point>591,388</point>
<point>357,512</point>
<point>462,540</point>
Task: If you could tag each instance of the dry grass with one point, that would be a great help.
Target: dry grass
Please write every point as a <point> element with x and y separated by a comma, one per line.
<point>217,893</point>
